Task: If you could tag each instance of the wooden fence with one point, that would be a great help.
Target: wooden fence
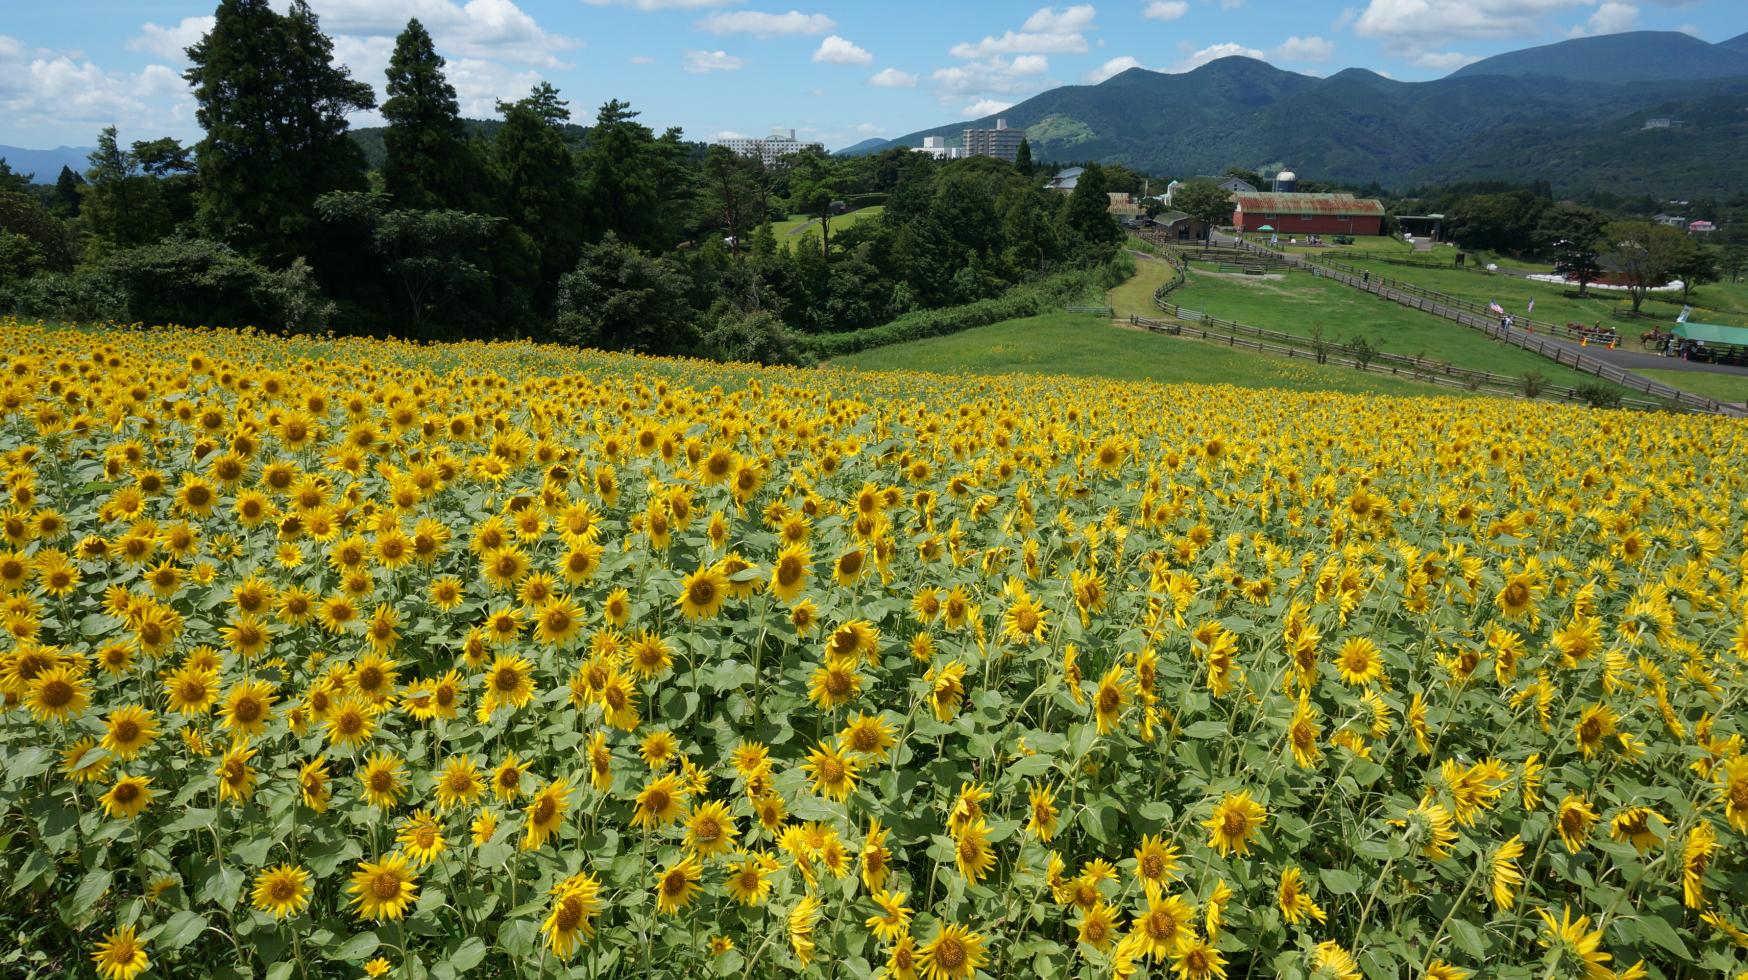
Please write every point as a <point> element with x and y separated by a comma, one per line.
<point>1524,334</point>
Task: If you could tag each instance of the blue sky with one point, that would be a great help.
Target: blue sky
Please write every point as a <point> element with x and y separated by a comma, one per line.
<point>835,71</point>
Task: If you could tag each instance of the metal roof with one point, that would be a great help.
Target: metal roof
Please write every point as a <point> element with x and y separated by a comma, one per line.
<point>1306,204</point>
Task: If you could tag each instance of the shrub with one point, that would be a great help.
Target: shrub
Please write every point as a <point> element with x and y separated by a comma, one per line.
<point>756,337</point>
<point>1026,300</point>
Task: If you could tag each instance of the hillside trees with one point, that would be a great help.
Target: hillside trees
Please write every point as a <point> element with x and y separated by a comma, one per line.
<point>429,162</point>
<point>274,105</point>
<point>619,298</point>
<point>539,192</point>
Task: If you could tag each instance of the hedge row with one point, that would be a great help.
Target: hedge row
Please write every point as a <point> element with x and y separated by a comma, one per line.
<point>1029,299</point>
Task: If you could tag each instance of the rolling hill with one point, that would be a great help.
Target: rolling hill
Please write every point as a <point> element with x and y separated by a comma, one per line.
<point>1357,126</point>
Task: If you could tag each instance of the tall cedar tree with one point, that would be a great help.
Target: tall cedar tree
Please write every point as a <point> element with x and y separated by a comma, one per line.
<point>273,105</point>
<point>1023,158</point>
<point>67,192</point>
<point>1089,214</point>
<point>538,178</point>
<point>429,162</point>
<point>623,170</point>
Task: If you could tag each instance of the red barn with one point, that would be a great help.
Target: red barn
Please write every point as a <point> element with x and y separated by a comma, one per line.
<point>1308,214</point>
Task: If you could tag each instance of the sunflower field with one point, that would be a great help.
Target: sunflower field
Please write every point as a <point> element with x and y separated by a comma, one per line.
<point>334,657</point>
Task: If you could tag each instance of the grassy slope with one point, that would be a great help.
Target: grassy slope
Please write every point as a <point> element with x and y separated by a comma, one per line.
<point>1299,303</point>
<point>791,229</point>
<point>1063,343</point>
<point>1552,303</point>
<point>1723,387</point>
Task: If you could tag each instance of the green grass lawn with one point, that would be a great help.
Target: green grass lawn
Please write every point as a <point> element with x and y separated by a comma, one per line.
<point>791,229</point>
<point>1135,297</point>
<point>1076,344</point>
<point>1552,303</point>
<point>1723,387</point>
<point>1300,303</point>
<point>1361,243</point>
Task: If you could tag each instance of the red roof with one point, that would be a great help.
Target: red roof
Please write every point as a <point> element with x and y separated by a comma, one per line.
<point>1343,204</point>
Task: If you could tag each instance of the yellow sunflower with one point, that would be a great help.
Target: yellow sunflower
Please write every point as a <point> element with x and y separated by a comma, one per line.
<point>384,889</point>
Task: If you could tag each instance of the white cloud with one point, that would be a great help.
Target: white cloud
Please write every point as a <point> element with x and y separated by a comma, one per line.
<point>1409,26</point>
<point>642,59</point>
<point>480,84</point>
<point>1444,60</point>
<point>1013,42</point>
<point>1610,18</point>
<point>1691,30</point>
<point>1115,66</point>
<point>1304,49</point>
<point>869,129</point>
<point>792,24</point>
<point>835,50</point>
<point>892,78</point>
<point>996,75</point>
<point>985,107</point>
<point>700,62</point>
<point>1047,31</point>
<point>170,43</point>
<point>62,97</point>
<point>660,4</point>
<point>1166,10</point>
<point>729,134</point>
<point>1214,52</point>
<point>1068,20</point>
<point>477,29</point>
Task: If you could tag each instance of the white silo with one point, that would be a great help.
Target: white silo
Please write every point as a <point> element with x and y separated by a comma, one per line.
<point>1286,182</point>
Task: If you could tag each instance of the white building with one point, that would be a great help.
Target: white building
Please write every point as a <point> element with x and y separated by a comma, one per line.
<point>779,144</point>
<point>936,146</point>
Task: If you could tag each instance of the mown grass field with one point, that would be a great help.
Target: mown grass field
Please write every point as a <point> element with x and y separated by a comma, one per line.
<point>1089,346</point>
<point>800,224</point>
<point>1723,387</point>
<point>1727,302</point>
<point>1300,303</point>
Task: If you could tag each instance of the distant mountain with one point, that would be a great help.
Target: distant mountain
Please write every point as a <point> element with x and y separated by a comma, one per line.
<point>866,146</point>
<point>46,164</point>
<point>1357,126</point>
<point>1738,43</point>
<point>1636,56</point>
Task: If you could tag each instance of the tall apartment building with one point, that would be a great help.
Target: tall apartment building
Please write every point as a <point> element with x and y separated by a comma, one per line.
<point>1001,142</point>
<point>779,144</point>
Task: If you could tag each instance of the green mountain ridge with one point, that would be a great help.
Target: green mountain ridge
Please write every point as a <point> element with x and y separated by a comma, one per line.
<point>1613,59</point>
<point>1357,126</point>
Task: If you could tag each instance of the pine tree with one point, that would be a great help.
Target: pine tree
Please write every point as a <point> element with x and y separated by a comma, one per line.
<point>1023,158</point>
<point>67,191</point>
<point>430,161</point>
<point>273,104</point>
<point>1089,215</point>
<point>537,177</point>
<point>122,206</point>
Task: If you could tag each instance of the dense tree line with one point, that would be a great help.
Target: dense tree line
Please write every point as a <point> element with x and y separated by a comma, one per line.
<point>609,234</point>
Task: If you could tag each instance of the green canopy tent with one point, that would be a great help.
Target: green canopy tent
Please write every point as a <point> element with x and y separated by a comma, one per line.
<point>1715,342</point>
<point>1712,333</point>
